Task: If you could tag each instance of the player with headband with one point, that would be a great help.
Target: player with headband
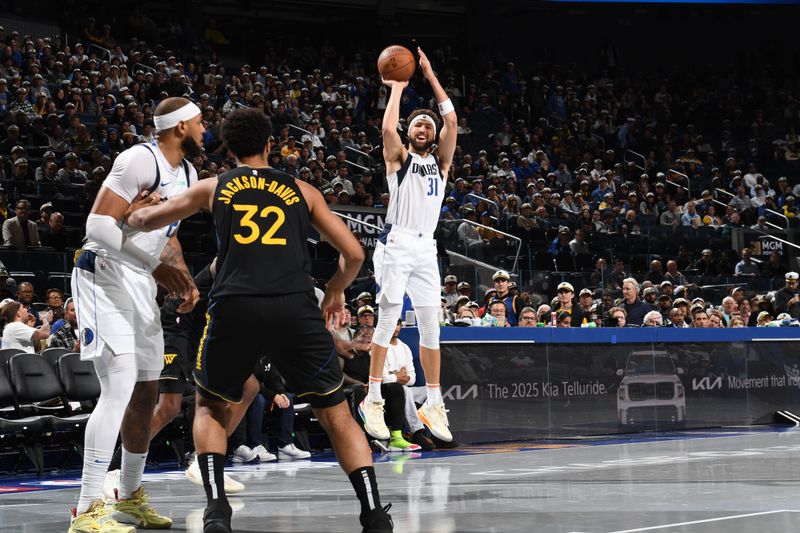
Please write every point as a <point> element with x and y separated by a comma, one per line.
<point>114,287</point>
<point>405,255</point>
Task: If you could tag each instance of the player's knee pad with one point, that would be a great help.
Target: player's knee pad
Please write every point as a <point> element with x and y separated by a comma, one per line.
<point>387,321</point>
<point>428,326</point>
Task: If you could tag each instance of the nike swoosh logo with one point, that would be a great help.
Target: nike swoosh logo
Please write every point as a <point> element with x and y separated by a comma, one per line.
<point>165,183</point>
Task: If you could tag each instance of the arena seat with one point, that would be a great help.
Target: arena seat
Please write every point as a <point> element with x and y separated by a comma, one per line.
<point>51,355</point>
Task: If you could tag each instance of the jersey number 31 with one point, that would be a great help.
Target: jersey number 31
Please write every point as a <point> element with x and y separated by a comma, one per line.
<point>254,229</point>
<point>433,186</point>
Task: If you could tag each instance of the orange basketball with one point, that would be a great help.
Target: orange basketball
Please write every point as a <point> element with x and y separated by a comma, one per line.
<point>396,63</point>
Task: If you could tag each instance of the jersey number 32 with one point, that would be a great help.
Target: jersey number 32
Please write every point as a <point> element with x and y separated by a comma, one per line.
<point>254,229</point>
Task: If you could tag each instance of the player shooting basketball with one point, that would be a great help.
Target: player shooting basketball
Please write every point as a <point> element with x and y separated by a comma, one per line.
<point>405,256</point>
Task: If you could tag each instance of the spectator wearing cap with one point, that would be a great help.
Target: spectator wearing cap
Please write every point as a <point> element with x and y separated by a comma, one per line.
<point>666,287</point>
<point>21,170</point>
<point>45,211</point>
<point>464,289</point>
<point>18,327</point>
<point>585,300</point>
<point>787,299</point>
<point>366,317</point>
<point>66,335</point>
<point>449,292</point>
<point>512,301</point>
<point>650,295</point>
<point>664,306</point>
<point>48,157</point>
<point>634,307</point>
<point>71,173</point>
<point>790,209</point>
<point>19,232</point>
<point>746,266</point>
<point>560,245</point>
<point>364,298</point>
<point>706,266</point>
<point>565,294</point>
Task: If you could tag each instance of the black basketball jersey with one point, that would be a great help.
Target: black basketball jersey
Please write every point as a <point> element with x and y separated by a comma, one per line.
<point>261,220</point>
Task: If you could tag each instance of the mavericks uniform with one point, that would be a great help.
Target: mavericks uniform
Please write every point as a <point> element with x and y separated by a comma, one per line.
<point>182,333</point>
<point>262,302</point>
<point>405,255</point>
<point>115,299</point>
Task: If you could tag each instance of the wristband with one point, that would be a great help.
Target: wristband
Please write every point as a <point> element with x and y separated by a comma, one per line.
<point>446,107</point>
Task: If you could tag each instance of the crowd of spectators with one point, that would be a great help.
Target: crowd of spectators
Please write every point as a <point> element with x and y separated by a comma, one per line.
<point>646,304</point>
<point>550,158</point>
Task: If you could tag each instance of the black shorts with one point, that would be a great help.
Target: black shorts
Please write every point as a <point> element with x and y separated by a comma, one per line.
<point>180,355</point>
<point>288,329</point>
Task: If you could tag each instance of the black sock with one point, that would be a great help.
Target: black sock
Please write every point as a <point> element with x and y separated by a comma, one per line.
<point>212,468</point>
<point>116,460</point>
<point>366,487</point>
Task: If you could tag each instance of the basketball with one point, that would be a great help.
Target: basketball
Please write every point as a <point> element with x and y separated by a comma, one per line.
<point>396,63</point>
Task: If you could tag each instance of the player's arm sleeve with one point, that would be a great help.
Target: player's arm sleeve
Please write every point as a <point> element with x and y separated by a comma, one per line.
<point>134,170</point>
<point>105,231</point>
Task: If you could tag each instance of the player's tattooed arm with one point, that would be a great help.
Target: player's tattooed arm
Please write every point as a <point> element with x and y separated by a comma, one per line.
<point>173,255</point>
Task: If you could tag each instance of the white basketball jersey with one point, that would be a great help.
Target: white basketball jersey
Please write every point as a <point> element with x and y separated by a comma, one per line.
<point>144,167</point>
<point>416,192</point>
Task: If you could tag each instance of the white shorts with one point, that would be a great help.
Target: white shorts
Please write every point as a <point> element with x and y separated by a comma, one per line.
<point>117,313</point>
<point>405,262</point>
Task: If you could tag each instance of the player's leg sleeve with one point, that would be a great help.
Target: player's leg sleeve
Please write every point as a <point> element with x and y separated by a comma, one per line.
<point>428,325</point>
<point>387,321</point>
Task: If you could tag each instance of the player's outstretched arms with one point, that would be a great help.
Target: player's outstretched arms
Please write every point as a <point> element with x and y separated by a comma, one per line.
<point>393,149</point>
<point>447,138</point>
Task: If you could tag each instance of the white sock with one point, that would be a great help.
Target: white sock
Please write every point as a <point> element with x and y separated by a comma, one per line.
<point>374,392</point>
<point>434,393</point>
<point>130,478</point>
<point>95,465</point>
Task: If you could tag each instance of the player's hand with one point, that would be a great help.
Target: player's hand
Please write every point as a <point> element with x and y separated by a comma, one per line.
<point>176,281</point>
<point>190,299</point>
<point>333,306</point>
<point>144,199</point>
<point>425,64</point>
<point>394,84</point>
<point>281,401</point>
<point>362,344</point>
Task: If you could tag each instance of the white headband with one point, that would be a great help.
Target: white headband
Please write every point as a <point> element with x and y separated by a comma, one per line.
<point>423,117</point>
<point>171,119</point>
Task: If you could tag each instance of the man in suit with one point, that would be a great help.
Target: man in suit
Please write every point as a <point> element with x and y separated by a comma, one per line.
<point>18,231</point>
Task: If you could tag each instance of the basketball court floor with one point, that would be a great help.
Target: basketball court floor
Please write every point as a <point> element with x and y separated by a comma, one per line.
<point>735,480</point>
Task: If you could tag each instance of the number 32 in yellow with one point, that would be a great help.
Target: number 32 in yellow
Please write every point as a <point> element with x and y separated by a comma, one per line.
<point>255,230</point>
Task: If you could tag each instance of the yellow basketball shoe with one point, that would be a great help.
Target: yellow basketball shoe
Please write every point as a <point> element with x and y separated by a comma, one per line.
<point>97,519</point>
<point>136,511</point>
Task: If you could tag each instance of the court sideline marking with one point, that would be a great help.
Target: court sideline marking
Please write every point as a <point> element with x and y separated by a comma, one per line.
<point>706,521</point>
